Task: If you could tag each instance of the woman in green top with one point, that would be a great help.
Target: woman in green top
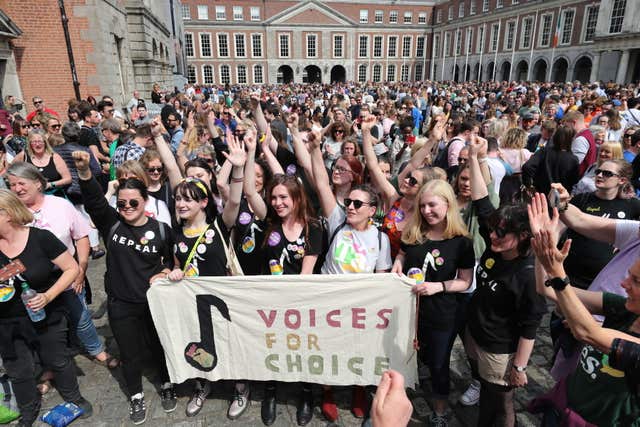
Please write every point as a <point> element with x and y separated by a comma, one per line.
<point>112,130</point>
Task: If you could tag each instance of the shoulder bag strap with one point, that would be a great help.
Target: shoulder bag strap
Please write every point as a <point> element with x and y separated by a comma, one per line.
<point>193,249</point>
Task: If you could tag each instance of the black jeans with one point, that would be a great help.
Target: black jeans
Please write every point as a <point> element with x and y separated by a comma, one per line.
<point>138,341</point>
<point>435,352</point>
<point>52,343</point>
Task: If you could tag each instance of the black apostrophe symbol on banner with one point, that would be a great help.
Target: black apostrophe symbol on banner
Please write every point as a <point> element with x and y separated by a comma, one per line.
<point>202,355</point>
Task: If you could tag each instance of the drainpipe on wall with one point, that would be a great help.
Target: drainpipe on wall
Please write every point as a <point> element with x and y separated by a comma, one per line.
<point>67,39</point>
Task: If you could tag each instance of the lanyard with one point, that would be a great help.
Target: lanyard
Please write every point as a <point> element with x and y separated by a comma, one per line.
<point>193,249</point>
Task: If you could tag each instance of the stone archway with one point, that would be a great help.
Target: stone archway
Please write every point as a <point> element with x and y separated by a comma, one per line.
<point>467,73</point>
<point>476,72</point>
<point>540,70</point>
<point>311,74</point>
<point>490,67</point>
<point>285,74</point>
<point>338,74</point>
<point>522,70</point>
<point>582,69</point>
<point>506,71</point>
<point>559,70</point>
<point>456,73</point>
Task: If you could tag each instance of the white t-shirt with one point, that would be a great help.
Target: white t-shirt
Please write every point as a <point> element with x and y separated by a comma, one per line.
<point>353,251</point>
<point>498,171</point>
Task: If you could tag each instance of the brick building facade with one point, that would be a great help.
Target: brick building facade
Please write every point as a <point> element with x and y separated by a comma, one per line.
<point>118,46</point>
<point>388,40</point>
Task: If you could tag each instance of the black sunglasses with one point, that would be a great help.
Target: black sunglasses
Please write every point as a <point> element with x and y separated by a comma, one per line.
<point>121,204</point>
<point>605,173</point>
<point>35,125</point>
<point>500,232</point>
<point>56,126</point>
<point>412,181</point>
<point>152,170</point>
<point>462,160</point>
<point>357,204</point>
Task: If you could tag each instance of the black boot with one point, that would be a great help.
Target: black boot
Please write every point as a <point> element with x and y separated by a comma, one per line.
<point>304,412</point>
<point>268,411</point>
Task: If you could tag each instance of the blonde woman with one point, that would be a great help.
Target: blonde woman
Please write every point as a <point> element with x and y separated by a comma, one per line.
<point>436,248</point>
<point>513,152</point>
<point>610,150</point>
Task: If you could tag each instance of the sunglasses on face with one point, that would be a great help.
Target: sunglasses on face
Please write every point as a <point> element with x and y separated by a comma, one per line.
<point>411,181</point>
<point>462,160</point>
<point>500,232</point>
<point>210,161</point>
<point>605,173</point>
<point>37,102</point>
<point>158,169</point>
<point>357,204</point>
<point>35,125</point>
<point>339,131</point>
<point>56,126</point>
<point>133,203</point>
<point>26,126</point>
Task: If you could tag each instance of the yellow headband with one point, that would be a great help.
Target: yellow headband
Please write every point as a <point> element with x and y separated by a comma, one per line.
<point>198,184</point>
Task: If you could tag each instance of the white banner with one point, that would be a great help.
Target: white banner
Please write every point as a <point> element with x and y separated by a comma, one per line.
<point>326,329</point>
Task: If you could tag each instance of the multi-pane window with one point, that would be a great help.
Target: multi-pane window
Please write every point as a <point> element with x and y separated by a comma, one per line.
<point>418,75</point>
<point>188,44</point>
<point>404,73</point>
<point>499,4</point>
<point>420,46</point>
<point>406,46</point>
<point>480,40</point>
<point>450,15</point>
<point>458,41</point>
<point>256,45</point>
<point>408,17</point>
<point>258,76</point>
<point>362,73</point>
<point>223,45</point>
<point>567,26</point>
<point>485,5</point>
<point>391,73</point>
<point>242,74</point>
<point>436,45</point>
<point>527,25</point>
<point>439,16</point>
<point>186,11</point>
<point>447,45</point>
<point>221,13</point>
<point>393,17</point>
<point>617,16</point>
<point>469,39</point>
<point>510,35</point>
<point>240,46</point>
<point>203,11</point>
<point>422,18</point>
<point>494,37</point>
<point>284,45</point>
<point>378,17</point>
<point>472,7</point>
<point>392,47</point>
<point>377,47</point>
<point>377,73</point>
<point>364,16</point>
<point>191,74</point>
<point>225,74</point>
<point>338,46</point>
<point>461,10</point>
<point>237,13</point>
<point>363,46</point>
<point>545,30</point>
<point>255,14</point>
<point>591,19</point>
<point>312,45</point>
<point>207,74</point>
<point>205,44</point>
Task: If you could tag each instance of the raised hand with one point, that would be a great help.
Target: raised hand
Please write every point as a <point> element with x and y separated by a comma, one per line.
<point>539,215</point>
<point>478,147</point>
<point>314,139</point>
<point>292,121</point>
<point>368,123</point>
<point>81,159</point>
<point>236,156</point>
<point>439,129</point>
<point>156,127</point>
<point>191,121</point>
<point>250,140</point>
<point>547,252</point>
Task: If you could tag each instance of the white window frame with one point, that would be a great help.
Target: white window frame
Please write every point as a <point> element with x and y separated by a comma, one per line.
<point>246,74</point>
<point>333,47</point>
<point>585,22</point>
<point>389,68</point>
<point>203,12</point>
<point>481,39</point>
<point>287,36</point>
<point>406,50</point>
<point>200,39</point>
<point>255,80</point>
<point>446,47</point>
<point>439,16</point>
<point>395,50</point>
<point>541,35</point>
<point>523,30</point>
<point>261,45</point>
<point>621,19</point>
<point>361,78</point>
<point>418,72</point>
<point>407,18</point>
<point>244,45</point>
<point>450,13</point>
<point>360,50</point>
<point>458,42</point>
<point>221,13</point>
<point>420,40</point>
<point>364,16</point>
<point>405,73</point>
<point>422,17</point>
<point>308,38</point>
<point>507,44</point>
<point>461,9</point>
<point>255,13</point>
<point>469,41</point>
<point>186,46</point>
<point>376,69</point>
<point>190,68</point>
<point>499,4</point>
<point>185,11</point>
<point>228,55</point>
<point>381,46</point>
<point>472,7</point>
<point>436,45</point>
<point>561,41</point>
<point>204,74</point>
<point>221,74</point>
<point>495,37</point>
<point>485,6</point>
<point>378,16</point>
<point>238,13</point>
<point>393,17</point>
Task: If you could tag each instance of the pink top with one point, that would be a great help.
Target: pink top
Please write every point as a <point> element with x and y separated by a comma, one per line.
<point>515,157</point>
<point>60,217</point>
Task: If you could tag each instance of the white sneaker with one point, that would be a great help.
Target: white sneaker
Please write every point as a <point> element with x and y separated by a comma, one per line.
<point>472,395</point>
<point>194,406</point>
<point>239,404</point>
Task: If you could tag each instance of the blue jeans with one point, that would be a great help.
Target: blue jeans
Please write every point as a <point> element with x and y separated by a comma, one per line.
<point>82,323</point>
<point>435,352</point>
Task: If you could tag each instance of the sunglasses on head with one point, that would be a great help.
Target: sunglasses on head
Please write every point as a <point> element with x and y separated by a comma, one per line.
<point>357,204</point>
<point>411,181</point>
<point>121,204</point>
<point>605,173</point>
<point>158,169</point>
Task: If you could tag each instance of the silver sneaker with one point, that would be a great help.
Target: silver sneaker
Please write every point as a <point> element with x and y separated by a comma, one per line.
<point>239,404</point>
<point>436,420</point>
<point>194,406</point>
<point>471,396</point>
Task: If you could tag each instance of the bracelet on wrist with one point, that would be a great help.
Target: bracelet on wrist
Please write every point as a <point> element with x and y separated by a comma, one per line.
<point>520,368</point>
<point>444,288</point>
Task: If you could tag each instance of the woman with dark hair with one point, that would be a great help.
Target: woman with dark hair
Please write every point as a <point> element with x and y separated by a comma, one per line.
<point>336,135</point>
<point>292,246</point>
<point>159,186</point>
<point>553,164</point>
<point>139,251</point>
<point>17,141</point>
<point>200,242</point>
<point>505,310</point>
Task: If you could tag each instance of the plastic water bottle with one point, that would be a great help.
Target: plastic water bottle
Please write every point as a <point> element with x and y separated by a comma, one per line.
<point>28,294</point>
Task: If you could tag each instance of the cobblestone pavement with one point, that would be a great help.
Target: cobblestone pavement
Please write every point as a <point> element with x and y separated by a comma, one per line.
<point>104,389</point>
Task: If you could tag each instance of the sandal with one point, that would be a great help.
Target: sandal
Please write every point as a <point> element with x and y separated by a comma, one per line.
<point>110,362</point>
<point>44,387</point>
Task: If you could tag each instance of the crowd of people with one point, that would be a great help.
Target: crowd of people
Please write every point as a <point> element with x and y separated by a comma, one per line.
<point>498,198</point>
